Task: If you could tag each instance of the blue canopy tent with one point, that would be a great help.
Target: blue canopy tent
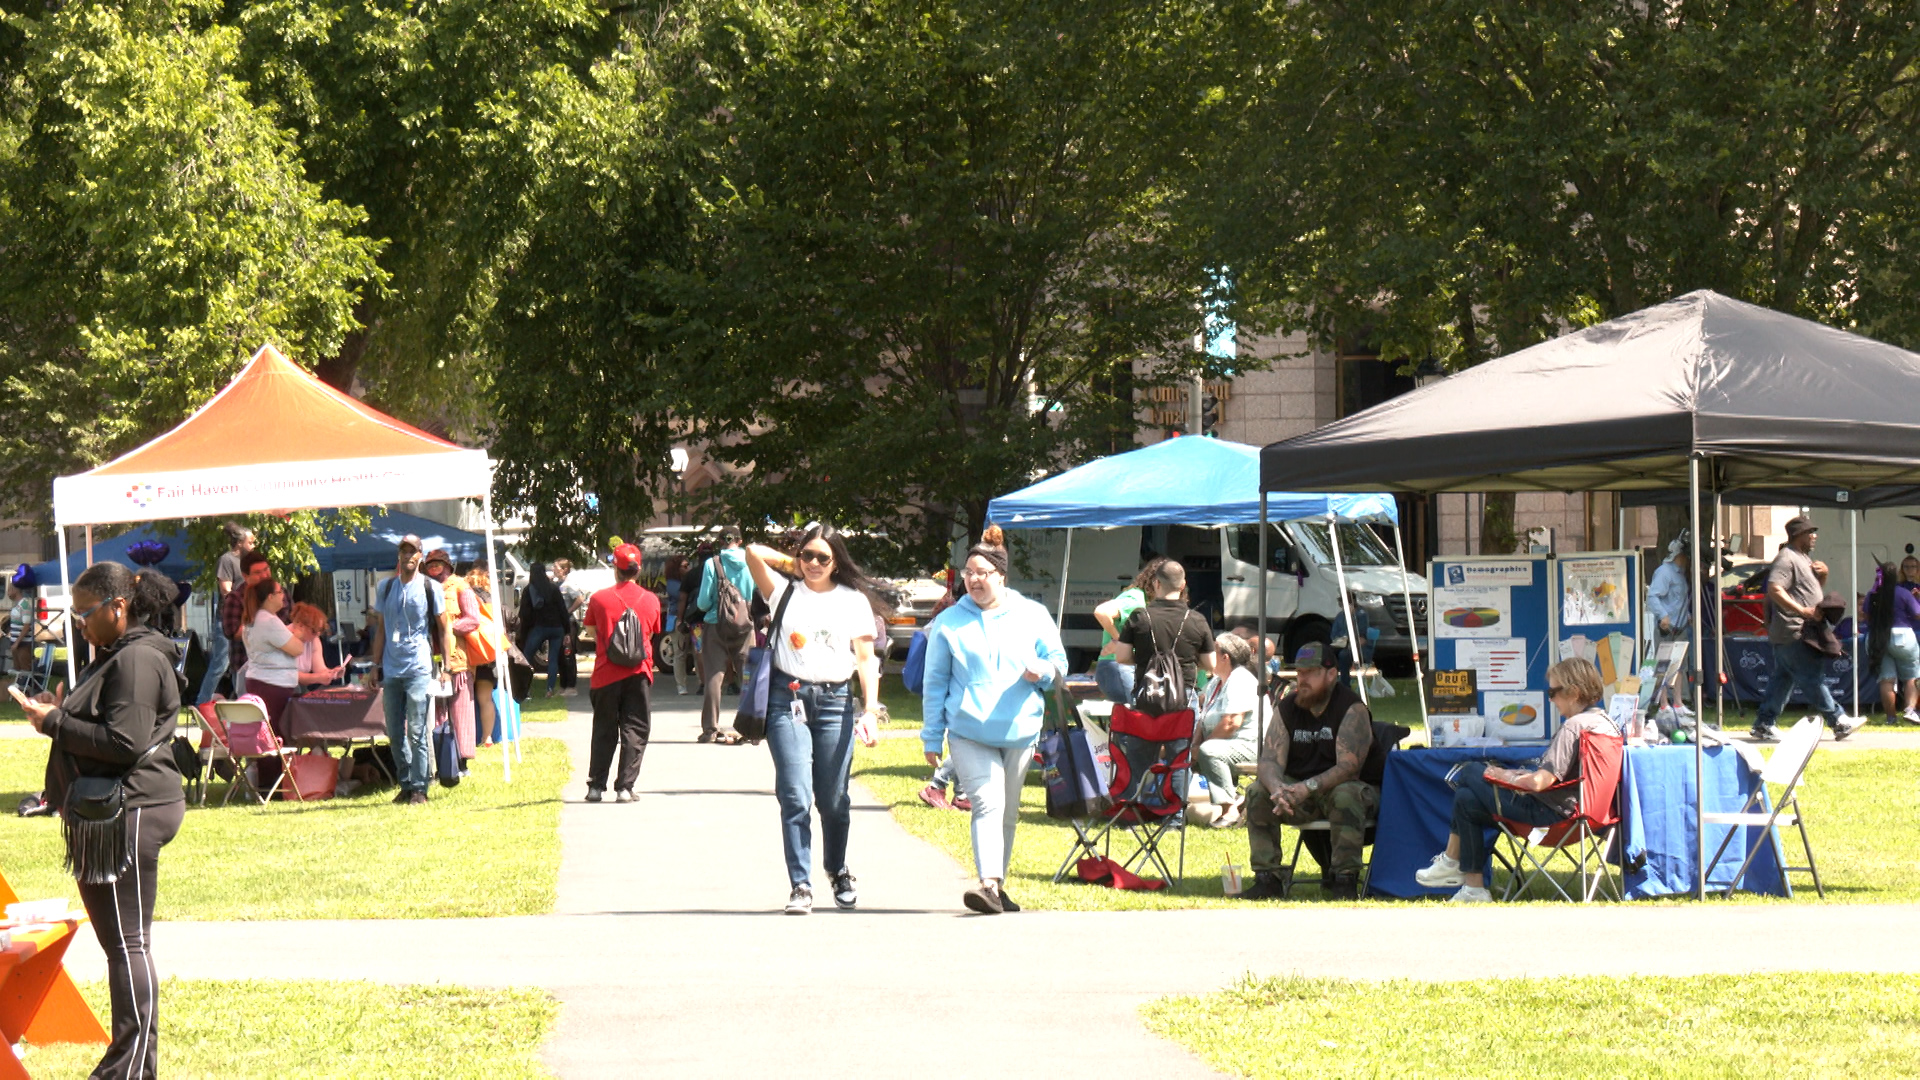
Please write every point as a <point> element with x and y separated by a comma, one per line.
<point>1187,481</point>
<point>175,565</point>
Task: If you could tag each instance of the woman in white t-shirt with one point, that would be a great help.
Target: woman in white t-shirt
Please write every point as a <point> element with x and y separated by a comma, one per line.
<point>273,648</point>
<point>822,635</point>
<point>1225,732</point>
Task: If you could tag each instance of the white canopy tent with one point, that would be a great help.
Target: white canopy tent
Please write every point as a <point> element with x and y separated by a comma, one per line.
<point>274,439</point>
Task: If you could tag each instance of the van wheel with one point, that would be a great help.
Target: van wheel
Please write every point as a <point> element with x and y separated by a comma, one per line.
<point>1301,631</point>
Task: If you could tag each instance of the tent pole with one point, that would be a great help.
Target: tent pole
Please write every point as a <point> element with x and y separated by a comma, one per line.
<point>1719,617</point>
<point>1260,637</point>
<point>1699,752</point>
<point>508,717</point>
<point>66,594</point>
<point>1853,601</point>
<point>1346,605</point>
<point>1413,626</point>
<point>89,545</point>
<point>1066,563</point>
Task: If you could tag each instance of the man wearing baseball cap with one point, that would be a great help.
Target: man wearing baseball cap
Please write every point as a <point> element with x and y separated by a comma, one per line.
<point>1309,770</point>
<point>1793,593</point>
<point>621,693</point>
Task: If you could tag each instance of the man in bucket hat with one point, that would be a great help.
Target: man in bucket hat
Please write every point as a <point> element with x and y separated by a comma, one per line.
<point>1309,770</point>
<point>1793,597</point>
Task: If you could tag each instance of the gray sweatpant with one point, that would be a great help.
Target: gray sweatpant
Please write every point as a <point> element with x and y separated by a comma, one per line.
<point>992,777</point>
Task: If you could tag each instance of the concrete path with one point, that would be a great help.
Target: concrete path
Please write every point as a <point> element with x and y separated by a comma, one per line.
<point>670,957</point>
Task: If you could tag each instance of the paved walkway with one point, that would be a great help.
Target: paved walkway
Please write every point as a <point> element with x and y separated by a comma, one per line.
<point>669,956</point>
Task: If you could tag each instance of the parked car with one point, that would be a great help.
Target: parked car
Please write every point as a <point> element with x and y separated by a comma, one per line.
<point>913,602</point>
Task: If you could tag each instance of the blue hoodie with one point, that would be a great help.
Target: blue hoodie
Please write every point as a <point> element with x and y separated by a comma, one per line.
<point>976,684</point>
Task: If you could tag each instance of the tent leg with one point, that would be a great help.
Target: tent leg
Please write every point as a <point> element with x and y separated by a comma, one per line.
<point>502,677</point>
<point>1066,564</point>
<point>1346,605</point>
<point>1853,601</point>
<point>1413,626</point>
<point>1699,752</point>
<point>1719,618</point>
<point>66,593</point>
<point>1260,638</point>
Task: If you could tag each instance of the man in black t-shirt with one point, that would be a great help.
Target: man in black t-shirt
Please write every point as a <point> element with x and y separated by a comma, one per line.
<point>1165,623</point>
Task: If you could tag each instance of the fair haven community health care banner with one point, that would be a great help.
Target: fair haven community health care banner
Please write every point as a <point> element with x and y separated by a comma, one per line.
<point>285,485</point>
<point>1493,616</point>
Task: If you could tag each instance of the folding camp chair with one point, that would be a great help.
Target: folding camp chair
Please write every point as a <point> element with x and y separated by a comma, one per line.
<point>1786,766</point>
<point>1583,839</point>
<point>212,746</point>
<point>1317,836</point>
<point>1151,769</point>
<point>250,738</point>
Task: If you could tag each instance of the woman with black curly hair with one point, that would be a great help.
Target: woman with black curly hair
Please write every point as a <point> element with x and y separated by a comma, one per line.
<point>117,722</point>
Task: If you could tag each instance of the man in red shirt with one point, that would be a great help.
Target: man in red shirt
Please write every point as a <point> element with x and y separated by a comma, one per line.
<point>622,696</point>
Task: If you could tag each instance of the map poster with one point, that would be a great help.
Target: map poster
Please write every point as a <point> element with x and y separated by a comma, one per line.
<point>1472,611</point>
<point>1593,592</point>
<point>1497,663</point>
<point>1514,716</point>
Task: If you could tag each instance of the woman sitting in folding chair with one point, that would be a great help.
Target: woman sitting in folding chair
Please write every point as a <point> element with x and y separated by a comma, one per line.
<point>1575,689</point>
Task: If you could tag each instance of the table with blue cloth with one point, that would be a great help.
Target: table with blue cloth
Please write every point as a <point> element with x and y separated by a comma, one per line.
<point>1750,669</point>
<point>1416,811</point>
<point>1657,803</point>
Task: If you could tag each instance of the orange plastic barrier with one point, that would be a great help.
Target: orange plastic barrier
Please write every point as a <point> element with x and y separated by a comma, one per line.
<point>38,1000</point>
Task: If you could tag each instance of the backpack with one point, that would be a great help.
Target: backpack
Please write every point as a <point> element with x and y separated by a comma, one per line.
<point>1162,688</point>
<point>627,643</point>
<point>733,616</point>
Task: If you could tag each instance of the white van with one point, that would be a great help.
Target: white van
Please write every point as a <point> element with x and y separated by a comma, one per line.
<point>1303,593</point>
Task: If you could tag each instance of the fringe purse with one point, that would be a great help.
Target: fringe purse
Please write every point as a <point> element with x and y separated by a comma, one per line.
<point>95,823</point>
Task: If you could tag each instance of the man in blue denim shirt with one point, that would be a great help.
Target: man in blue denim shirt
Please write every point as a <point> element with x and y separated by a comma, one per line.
<point>403,667</point>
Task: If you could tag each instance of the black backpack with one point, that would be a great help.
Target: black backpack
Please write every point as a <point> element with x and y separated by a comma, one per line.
<point>627,644</point>
<point>733,616</point>
<point>1162,688</point>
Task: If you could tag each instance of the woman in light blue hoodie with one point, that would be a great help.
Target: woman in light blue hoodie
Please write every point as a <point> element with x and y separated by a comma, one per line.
<point>990,660</point>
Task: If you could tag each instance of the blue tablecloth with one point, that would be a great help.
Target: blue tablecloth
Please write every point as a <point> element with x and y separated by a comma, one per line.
<point>1750,669</point>
<point>1416,809</point>
<point>1658,805</point>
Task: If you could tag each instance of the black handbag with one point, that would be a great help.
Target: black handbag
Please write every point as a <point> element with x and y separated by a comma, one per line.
<point>95,823</point>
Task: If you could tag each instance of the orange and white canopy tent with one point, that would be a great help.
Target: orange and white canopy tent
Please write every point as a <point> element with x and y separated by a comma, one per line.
<point>276,438</point>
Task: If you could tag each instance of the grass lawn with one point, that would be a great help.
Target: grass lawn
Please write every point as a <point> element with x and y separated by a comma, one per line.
<point>1793,1024</point>
<point>1857,804</point>
<point>540,709</point>
<point>483,848</point>
<point>350,1030</point>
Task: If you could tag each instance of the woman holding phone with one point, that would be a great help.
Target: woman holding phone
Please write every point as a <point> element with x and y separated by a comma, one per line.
<point>823,634</point>
<point>117,722</point>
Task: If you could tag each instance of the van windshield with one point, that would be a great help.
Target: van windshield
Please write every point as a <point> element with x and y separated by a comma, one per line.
<point>1359,544</point>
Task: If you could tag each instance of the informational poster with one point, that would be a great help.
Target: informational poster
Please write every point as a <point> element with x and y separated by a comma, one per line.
<point>1497,663</point>
<point>1516,715</point>
<point>1487,572</point>
<point>1472,611</point>
<point>1452,692</point>
<point>1594,591</point>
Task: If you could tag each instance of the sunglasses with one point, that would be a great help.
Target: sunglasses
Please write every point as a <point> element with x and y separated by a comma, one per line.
<point>819,558</point>
<point>1554,691</point>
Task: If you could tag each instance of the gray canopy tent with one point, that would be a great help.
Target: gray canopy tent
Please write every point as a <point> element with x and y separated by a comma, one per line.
<point>1702,393</point>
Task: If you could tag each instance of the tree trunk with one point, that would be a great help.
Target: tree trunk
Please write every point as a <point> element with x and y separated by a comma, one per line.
<point>1496,524</point>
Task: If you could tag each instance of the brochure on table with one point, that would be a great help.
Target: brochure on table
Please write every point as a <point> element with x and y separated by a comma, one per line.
<point>1597,601</point>
<point>1493,615</point>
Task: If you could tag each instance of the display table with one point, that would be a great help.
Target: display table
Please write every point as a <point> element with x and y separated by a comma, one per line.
<point>1416,811</point>
<point>344,714</point>
<point>38,1001</point>
<point>1657,803</point>
<point>1750,671</point>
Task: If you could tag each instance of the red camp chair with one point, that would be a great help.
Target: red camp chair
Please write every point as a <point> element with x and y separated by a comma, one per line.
<point>1583,839</point>
<point>1151,768</point>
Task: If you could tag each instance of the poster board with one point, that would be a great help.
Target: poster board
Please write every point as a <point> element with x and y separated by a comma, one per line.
<point>1492,615</point>
<point>1597,604</point>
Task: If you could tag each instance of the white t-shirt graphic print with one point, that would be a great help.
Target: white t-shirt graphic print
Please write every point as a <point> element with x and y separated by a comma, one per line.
<point>816,634</point>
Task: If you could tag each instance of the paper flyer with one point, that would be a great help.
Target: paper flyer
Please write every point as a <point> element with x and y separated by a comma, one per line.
<point>1472,611</point>
<point>1497,663</point>
<point>1516,715</point>
<point>1593,592</point>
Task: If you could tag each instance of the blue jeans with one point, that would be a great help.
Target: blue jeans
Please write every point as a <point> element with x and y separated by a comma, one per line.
<point>555,637</point>
<point>1115,680</point>
<point>1475,804</point>
<point>406,703</point>
<point>1794,664</point>
<point>217,649</point>
<point>811,765</point>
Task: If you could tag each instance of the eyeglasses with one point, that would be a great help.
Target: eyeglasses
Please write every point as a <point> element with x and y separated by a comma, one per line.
<point>817,557</point>
<point>83,616</point>
<point>978,575</point>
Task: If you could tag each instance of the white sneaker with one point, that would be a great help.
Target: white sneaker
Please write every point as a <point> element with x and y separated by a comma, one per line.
<point>1911,716</point>
<point>1470,895</point>
<point>800,901</point>
<point>1441,873</point>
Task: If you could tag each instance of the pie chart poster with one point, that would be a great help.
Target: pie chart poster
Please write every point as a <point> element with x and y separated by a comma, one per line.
<point>1493,614</point>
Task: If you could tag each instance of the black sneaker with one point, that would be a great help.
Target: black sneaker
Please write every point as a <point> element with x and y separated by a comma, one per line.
<point>1843,727</point>
<point>595,794</point>
<point>800,901</point>
<point>1269,885</point>
<point>1006,902</point>
<point>1341,887</point>
<point>1763,733</point>
<point>844,896</point>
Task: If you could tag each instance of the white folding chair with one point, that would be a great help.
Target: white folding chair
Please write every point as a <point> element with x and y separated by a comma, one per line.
<point>1785,768</point>
<point>249,738</point>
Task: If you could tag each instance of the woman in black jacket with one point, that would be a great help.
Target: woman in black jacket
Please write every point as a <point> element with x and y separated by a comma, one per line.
<point>124,704</point>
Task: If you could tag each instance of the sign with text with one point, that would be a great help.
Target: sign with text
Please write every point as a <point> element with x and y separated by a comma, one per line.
<point>1452,692</point>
